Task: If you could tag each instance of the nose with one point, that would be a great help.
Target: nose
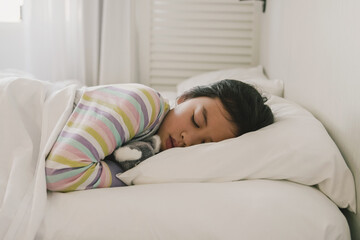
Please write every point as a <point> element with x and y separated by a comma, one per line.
<point>191,138</point>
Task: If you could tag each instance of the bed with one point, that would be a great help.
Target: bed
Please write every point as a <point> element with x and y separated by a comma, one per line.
<point>286,181</point>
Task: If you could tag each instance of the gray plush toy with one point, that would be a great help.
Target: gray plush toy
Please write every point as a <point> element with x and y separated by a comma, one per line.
<point>133,153</point>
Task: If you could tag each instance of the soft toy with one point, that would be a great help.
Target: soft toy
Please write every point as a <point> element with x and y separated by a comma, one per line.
<point>133,153</point>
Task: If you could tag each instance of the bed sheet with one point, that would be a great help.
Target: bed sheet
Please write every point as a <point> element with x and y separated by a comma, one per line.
<point>249,209</point>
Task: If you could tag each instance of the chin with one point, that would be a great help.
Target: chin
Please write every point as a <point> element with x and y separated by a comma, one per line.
<point>162,146</point>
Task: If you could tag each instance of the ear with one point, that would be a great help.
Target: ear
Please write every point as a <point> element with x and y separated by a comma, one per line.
<point>180,99</point>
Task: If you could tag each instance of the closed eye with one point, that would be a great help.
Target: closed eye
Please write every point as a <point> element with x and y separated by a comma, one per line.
<point>194,122</point>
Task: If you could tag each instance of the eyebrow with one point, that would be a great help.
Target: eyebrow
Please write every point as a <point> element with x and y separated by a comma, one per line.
<point>204,113</point>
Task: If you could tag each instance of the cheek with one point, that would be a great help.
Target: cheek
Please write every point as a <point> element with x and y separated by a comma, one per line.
<point>177,122</point>
<point>170,121</point>
<point>179,117</point>
<point>175,116</point>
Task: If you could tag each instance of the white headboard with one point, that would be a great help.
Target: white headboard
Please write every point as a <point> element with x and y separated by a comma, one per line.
<point>314,46</point>
<point>191,37</point>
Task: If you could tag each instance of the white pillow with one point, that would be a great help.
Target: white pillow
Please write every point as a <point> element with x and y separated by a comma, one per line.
<point>296,148</point>
<point>253,76</point>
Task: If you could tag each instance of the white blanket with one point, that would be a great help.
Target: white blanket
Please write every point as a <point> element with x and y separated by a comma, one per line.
<point>31,112</point>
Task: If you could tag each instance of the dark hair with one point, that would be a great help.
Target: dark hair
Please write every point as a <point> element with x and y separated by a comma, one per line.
<point>243,102</point>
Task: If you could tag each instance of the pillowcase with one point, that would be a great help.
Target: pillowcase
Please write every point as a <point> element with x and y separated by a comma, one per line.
<point>253,76</point>
<point>295,148</point>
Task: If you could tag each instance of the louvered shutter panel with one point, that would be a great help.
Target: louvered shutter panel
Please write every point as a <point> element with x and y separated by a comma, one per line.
<point>189,37</point>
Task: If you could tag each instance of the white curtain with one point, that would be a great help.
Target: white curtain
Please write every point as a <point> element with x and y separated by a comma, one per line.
<point>117,53</point>
<point>88,40</point>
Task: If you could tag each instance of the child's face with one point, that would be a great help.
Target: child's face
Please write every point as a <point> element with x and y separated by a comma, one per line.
<point>194,121</point>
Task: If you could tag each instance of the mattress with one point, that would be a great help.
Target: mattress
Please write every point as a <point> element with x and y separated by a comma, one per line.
<point>249,209</point>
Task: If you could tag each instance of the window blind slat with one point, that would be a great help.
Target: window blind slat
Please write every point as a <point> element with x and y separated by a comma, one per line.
<point>203,33</point>
<point>204,58</point>
<point>230,42</point>
<point>202,49</point>
<point>193,16</point>
<point>202,7</point>
<point>202,24</point>
<point>191,66</point>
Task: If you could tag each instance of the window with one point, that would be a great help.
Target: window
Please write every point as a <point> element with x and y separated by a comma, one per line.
<point>10,10</point>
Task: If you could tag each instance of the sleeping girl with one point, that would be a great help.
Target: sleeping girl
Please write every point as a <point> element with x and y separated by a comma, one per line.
<point>107,117</point>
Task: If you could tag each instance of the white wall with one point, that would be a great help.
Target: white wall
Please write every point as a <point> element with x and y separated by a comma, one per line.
<point>12,46</point>
<point>314,46</point>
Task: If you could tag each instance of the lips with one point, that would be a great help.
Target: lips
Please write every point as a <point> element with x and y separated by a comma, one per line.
<point>170,143</point>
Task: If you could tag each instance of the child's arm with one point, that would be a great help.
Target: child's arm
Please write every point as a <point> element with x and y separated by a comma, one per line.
<point>104,119</point>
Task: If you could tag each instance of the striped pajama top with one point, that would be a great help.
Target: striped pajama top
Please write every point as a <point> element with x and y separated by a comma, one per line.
<point>104,119</point>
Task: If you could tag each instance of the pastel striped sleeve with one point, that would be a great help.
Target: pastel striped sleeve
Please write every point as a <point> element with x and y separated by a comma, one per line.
<point>105,118</point>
